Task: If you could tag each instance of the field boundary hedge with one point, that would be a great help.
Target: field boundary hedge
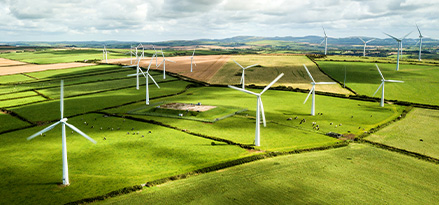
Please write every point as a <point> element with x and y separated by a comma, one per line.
<point>216,167</point>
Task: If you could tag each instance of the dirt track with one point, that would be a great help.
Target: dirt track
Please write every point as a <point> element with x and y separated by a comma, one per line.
<point>8,67</point>
<point>206,68</point>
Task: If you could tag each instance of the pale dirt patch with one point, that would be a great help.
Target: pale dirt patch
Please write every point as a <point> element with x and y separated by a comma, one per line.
<point>207,66</point>
<point>190,107</point>
<point>28,68</point>
<point>6,62</point>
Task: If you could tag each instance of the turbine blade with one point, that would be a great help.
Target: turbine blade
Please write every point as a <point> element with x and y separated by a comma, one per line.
<point>242,90</point>
<point>378,89</point>
<point>380,72</point>
<point>80,132</point>
<point>135,74</point>
<point>262,111</point>
<point>309,73</point>
<point>407,35</point>
<point>153,80</point>
<point>308,94</point>
<point>322,42</point>
<point>251,66</point>
<point>392,37</point>
<point>324,31</point>
<point>44,130</point>
<point>370,40</point>
<point>325,83</point>
<point>361,39</point>
<point>272,82</point>
<point>193,52</point>
<point>170,61</point>
<point>394,81</point>
<point>238,63</point>
<point>417,42</point>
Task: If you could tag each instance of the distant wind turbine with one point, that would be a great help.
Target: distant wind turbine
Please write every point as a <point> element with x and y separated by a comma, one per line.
<point>365,42</point>
<point>259,108</point>
<point>420,42</point>
<point>399,40</point>
<point>192,60</point>
<point>164,64</point>
<point>313,91</point>
<point>383,81</point>
<point>104,54</point>
<point>325,40</point>
<point>243,70</point>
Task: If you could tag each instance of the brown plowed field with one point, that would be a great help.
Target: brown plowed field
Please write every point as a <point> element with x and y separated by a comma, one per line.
<point>207,66</point>
<point>8,67</point>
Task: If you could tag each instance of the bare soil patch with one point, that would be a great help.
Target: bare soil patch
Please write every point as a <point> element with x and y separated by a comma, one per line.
<point>8,67</point>
<point>207,66</point>
<point>190,107</point>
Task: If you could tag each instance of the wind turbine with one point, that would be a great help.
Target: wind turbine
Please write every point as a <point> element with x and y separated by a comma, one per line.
<point>259,108</point>
<point>146,77</point>
<point>192,59</point>
<point>164,64</point>
<point>382,85</point>
<point>243,75</point>
<point>399,40</point>
<point>104,54</point>
<point>313,91</point>
<point>420,42</point>
<point>63,122</point>
<point>325,40</point>
<point>139,69</point>
<point>156,61</point>
<point>365,42</point>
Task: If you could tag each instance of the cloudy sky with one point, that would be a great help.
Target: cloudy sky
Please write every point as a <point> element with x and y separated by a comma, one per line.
<point>160,20</point>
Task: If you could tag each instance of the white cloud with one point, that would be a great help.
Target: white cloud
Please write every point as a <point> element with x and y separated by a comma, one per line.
<point>154,20</point>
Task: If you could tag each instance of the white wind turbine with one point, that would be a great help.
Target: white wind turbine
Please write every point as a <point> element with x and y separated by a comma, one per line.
<point>63,122</point>
<point>243,75</point>
<point>104,54</point>
<point>146,77</point>
<point>382,85</point>
<point>420,42</point>
<point>138,69</point>
<point>365,42</point>
<point>164,64</point>
<point>313,91</point>
<point>325,40</point>
<point>259,108</point>
<point>156,55</point>
<point>399,40</point>
<point>192,60</point>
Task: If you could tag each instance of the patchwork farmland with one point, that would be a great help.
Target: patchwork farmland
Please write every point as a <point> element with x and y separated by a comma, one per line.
<point>352,141</point>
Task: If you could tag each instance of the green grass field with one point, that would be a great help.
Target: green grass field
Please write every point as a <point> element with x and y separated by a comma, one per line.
<point>390,59</point>
<point>280,134</point>
<point>357,174</point>
<point>60,56</point>
<point>419,81</point>
<point>419,124</point>
<point>31,170</point>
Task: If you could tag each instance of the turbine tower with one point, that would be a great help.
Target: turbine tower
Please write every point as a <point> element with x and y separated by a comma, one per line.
<point>192,60</point>
<point>259,108</point>
<point>104,54</point>
<point>63,122</point>
<point>313,91</point>
<point>420,42</point>
<point>399,40</point>
<point>382,85</point>
<point>365,42</point>
<point>164,64</point>
<point>243,75</point>
<point>325,40</point>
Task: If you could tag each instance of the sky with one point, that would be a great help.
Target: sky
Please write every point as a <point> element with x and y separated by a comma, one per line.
<point>163,20</point>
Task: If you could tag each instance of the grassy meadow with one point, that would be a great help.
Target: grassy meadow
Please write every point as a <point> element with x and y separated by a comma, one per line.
<point>419,81</point>
<point>357,174</point>
<point>270,67</point>
<point>51,56</point>
<point>417,132</point>
<point>133,149</point>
